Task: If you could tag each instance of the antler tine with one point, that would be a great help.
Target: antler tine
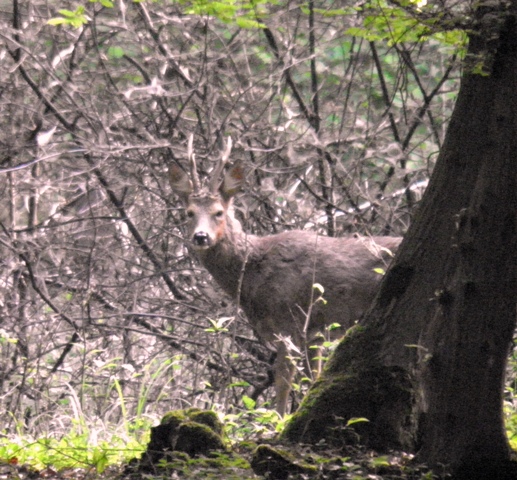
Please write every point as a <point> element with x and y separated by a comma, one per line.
<point>192,162</point>
<point>215,180</point>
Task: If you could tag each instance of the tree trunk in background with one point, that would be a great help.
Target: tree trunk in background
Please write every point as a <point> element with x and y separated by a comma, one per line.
<point>427,364</point>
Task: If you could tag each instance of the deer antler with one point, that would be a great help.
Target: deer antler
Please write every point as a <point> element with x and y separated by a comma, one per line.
<point>192,162</point>
<point>215,179</point>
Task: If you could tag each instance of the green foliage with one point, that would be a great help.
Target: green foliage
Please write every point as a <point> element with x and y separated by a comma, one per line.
<point>218,325</point>
<point>333,12</point>
<point>248,402</point>
<point>383,21</point>
<point>77,439</point>
<point>510,402</point>
<point>220,465</point>
<point>78,448</point>
<point>319,290</point>
<point>353,421</point>
<point>104,3</point>
<point>510,412</point>
<point>253,423</point>
<point>76,18</point>
<point>6,339</point>
<point>243,14</point>
<point>115,52</point>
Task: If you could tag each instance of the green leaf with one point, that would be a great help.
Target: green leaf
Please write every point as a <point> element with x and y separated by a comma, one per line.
<point>67,13</point>
<point>248,23</point>
<point>249,403</point>
<point>381,461</point>
<point>354,420</point>
<point>336,12</point>
<point>75,18</point>
<point>383,21</point>
<point>56,21</point>
<point>239,384</point>
<point>217,326</point>
<point>104,3</point>
<point>115,52</point>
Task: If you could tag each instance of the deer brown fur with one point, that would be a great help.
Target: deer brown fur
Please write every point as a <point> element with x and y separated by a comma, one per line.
<point>273,277</point>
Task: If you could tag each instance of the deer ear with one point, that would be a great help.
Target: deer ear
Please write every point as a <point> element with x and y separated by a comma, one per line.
<point>179,181</point>
<point>232,182</point>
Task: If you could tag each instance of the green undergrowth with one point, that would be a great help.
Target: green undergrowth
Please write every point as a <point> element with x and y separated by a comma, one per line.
<point>510,401</point>
<point>91,445</point>
<point>86,443</point>
<point>82,447</point>
<point>220,465</point>
<point>93,453</point>
<point>95,448</point>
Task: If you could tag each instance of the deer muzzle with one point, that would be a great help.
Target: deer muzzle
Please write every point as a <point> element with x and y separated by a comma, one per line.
<point>201,240</point>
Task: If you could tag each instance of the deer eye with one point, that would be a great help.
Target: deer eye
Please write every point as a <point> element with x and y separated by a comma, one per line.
<point>219,214</point>
<point>190,213</point>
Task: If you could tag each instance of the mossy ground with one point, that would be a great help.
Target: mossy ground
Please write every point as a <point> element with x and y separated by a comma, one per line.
<point>317,463</point>
<point>251,460</point>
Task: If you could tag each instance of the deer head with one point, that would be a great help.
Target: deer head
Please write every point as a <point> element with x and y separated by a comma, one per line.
<point>207,207</point>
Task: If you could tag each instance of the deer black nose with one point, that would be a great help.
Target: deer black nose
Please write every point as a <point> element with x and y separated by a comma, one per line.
<point>201,239</point>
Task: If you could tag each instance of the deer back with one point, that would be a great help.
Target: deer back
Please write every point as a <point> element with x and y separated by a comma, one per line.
<point>277,287</point>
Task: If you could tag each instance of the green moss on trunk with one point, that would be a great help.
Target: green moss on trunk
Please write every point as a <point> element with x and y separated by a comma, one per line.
<point>355,384</point>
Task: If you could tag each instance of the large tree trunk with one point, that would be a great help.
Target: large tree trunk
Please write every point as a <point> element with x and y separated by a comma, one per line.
<point>427,364</point>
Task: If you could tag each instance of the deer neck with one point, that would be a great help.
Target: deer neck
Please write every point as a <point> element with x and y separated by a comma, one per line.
<point>226,260</point>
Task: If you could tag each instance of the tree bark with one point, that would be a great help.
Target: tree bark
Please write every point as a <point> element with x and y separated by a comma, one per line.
<point>426,365</point>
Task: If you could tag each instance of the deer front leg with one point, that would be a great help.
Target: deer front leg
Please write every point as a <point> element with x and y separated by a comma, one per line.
<point>283,370</point>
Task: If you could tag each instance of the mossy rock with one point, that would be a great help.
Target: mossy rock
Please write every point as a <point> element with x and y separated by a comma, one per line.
<point>174,417</point>
<point>278,464</point>
<point>208,418</point>
<point>197,439</point>
<point>193,432</point>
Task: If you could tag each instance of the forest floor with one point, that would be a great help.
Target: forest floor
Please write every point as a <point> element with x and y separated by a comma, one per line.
<point>249,449</point>
<point>307,463</point>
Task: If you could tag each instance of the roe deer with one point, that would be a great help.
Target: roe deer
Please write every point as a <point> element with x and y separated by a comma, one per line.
<point>273,277</point>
